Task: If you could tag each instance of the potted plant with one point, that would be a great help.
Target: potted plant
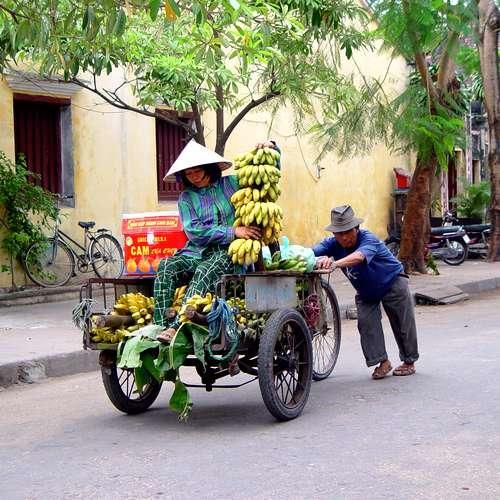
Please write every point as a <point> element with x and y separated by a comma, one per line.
<point>472,204</point>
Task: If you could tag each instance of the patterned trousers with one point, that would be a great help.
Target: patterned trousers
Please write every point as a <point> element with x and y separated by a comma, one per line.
<point>203,272</point>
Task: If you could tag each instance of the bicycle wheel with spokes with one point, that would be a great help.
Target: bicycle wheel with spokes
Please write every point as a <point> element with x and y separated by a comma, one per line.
<point>326,335</point>
<point>49,264</point>
<point>122,391</point>
<point>285,364</point>
<point>106,256</point>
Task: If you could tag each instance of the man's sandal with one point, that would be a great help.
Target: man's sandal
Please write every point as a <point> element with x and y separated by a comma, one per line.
<point>381,371</point>
<point>404,370</point>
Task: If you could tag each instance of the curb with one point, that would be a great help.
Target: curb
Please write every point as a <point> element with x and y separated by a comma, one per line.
<point>39,295</point>
<point>59,365</point>
<point>480,286</point>
<point>348,311</point>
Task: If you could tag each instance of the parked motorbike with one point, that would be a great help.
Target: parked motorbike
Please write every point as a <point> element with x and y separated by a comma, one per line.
<point>445,243</point>
<point>478,234</point>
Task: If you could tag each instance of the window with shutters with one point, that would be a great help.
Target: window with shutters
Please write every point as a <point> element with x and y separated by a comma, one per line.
<point>170,140</point>
<point>42,128</point>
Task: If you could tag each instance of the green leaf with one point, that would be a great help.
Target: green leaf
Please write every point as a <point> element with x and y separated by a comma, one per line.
<point>154,6</point>
<point>121,22</point>
<point>181,401</point>
<point>173,5</point>
<point>110,22</point>
<point>142,377</point>
<point>88,17</point>
<point>180,347</point>
<point>148,362</point>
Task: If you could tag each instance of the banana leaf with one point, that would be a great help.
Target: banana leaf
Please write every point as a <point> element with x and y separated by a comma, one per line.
<point>181,401</point>
<point>136,353</point>
<point>129,352</point>
<point>142,378</point>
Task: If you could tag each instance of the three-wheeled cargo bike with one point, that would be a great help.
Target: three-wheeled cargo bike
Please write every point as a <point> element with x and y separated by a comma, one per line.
<point>298,342</point>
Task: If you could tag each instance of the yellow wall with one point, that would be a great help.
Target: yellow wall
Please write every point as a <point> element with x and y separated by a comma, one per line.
<point>115,165</point>
<point>364,182</point>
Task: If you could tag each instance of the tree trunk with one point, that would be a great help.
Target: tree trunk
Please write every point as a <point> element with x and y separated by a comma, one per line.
<point>489,25</point>
<point>415,230</point>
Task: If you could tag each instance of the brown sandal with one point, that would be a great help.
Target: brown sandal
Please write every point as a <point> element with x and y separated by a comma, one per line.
<point>381,371</point>
<point>404,370</point>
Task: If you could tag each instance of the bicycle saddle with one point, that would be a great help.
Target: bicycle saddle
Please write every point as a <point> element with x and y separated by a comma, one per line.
<point>87,225</point>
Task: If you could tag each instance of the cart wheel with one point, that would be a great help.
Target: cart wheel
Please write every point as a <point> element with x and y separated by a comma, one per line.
<point>120,388</point>
<point>285,364</point>
<point>326,338</point>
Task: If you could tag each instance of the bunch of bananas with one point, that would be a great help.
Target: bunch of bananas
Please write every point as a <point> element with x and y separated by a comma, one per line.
<point>202,305</point>
<point>298,264</point>
<point>179,294</point>
<point>254,202</point>
<point>250,324</point>
<point>244,252</point>
<point>136,305</point>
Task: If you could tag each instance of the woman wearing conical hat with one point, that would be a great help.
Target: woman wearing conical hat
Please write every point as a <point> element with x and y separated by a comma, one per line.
<point>207,217</point>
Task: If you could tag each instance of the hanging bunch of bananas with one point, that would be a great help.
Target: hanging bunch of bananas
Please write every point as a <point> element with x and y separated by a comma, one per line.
<point>254,203</point>
<point>136,306</point>
<point>179,294</point>
<point>202,305</point>
<point>244,252</point>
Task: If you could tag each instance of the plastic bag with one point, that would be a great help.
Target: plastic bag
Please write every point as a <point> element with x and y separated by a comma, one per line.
<point>290,251</point>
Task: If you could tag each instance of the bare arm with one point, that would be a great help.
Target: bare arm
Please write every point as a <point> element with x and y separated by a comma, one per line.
<point>353,259</point>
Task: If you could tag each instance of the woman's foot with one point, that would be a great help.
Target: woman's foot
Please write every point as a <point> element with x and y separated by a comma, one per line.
<point>382,370</point>
<point>166,335</point>
<point>404,370</point>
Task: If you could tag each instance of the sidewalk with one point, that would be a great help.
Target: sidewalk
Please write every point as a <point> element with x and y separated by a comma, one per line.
<point>39,340</point>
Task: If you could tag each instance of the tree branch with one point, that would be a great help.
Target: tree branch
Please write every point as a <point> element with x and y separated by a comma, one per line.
<point>447,63</point>
<point>112,98</point>
<point>200,137</point>
<point>13,14</point>
<point>251,105</point>
<point>219,119</point>
<point>419,57</point>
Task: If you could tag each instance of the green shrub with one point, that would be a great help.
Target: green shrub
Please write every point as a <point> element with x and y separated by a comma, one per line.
<point>21,202</point>
<point>474,200</point>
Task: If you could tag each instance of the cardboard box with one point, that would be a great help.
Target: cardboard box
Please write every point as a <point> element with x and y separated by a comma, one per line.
<point>149,237</point>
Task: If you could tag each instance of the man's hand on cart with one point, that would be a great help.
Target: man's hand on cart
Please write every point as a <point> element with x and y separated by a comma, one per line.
<point>248,232</point>
<point>325,262</point>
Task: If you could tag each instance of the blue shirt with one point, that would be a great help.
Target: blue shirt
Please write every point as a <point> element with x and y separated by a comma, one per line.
<point>375,275</point>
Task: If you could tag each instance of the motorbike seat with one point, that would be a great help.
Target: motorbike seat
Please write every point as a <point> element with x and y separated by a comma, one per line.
<point>477,228</point>
<point>445,230</point>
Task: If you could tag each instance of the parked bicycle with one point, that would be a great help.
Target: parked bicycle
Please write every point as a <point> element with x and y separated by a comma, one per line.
<point>55,261</point>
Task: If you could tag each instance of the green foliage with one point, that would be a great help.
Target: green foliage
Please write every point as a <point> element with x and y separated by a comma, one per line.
<point>20,200</point>
<point>422,119</point>
<point>192,56</point>
<point>474,200</point>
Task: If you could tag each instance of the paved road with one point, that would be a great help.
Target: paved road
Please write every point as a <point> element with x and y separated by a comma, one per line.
<point>433,435</point>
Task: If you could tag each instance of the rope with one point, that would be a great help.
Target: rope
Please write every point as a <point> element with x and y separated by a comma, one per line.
<point>221,321</point>
<point>81,313</point>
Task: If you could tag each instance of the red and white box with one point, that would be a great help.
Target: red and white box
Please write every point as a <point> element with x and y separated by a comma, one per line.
<point>148,238</point>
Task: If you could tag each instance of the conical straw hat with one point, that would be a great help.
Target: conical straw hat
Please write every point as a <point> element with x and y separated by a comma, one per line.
<point>195,154</point>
